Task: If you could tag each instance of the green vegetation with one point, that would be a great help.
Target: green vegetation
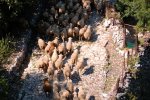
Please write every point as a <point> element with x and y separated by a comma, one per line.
<point>6,48</point>
<point>137,11</point>
<point>131,63</point>
<point>3,88</point>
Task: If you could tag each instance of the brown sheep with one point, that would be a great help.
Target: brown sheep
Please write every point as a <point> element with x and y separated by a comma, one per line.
<point>67,71</point>
<point>70,30</point>
<point>55,86</point>
<point>56,41</point>
<point>81,32</point>
<point>87,33</point>
<point>50,47</point>
<point>59,62</point>
<point>69,45</point>
<point>74,56</point>
<point>76,6</point>
<point>41,43</point>
<point>80,66</point>
<point>54,55</point>
<point>56,95</point>
<point>62,48</point>
<point>75,97</point>
<point>64,94</point>
<point>81,94</point>
<point>76,31</point>
<point>50,69</point>
<point>61,9</point>
<point>47,87</point>
<point>70,87</point>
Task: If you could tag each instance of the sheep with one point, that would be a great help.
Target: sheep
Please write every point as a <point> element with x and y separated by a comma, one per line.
<point>69,45</point>
<point>74,56</point>
<point>50,69</point>
<point>40,63</point>
<point>79,10</point>
<point>75,19</point>
<point>47,87</point>
<point>81,32</point>
<point>86,5</point>
<point>71,15</point>
<point>70,87</point>
<point>55,86</point>
<point>61,9</point>
<point>54,55</point>
<point>87,33</point>
<point>75,97</point>
<point>71,62</point>
<point>59,62</point>
<point>64,34</point>
<point>43,63</point>
<point>41,43</point>
<point>85,15</point>
<point>80,66</point>
<point>56,95</point>
<point>62,48</point>
<point>56,41</point>
<point>52,10</point>
<point>76,7</point>
<point>67,71</point>
<point>50,47</point>
<point>76,31</point>
<point>81,23</point>
<point>64,94</point>
<point>70,30</point>
<point>81,94</point>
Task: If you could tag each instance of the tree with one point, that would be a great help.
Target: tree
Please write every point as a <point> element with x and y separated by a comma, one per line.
<point>138,10</point>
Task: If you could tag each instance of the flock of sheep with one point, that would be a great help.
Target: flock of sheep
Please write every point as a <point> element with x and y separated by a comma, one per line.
<point>64,21</point>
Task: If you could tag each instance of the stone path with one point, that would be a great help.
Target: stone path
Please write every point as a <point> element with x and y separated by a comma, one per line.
<point>94,77</point>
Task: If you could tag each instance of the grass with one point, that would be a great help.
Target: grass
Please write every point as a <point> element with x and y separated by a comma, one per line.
<point>6,48</point>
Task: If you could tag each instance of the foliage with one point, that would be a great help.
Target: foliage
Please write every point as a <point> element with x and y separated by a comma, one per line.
<point>3,88</point>
<point>6,48</point>
<point>137,9</point>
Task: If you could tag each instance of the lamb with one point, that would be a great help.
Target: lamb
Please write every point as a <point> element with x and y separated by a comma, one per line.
<point>62,48</point>
<point>81,23</point>
<point>67,71</point>
<point>81,32</point>
<point>41,43</point>
<point>54,55</point>
<point>80,66</point>
<point>50,69</point>
<point>87,33</point>
<point>81,94</point>
<point>69,45</point>
<point>76,31</point>
<point>56,96</point>
<point>70,87</point>
<point>74,56</point>
<point>59,62</point>
<point>47,87</point>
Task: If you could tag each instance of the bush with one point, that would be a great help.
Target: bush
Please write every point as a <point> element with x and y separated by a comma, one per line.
<point>6,48</point>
